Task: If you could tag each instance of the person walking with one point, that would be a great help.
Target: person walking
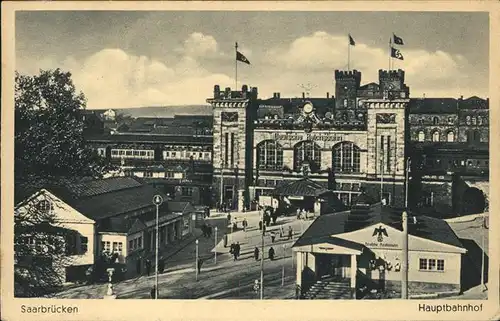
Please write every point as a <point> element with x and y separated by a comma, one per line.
<point>199,264</point>
<point>298,213</point>
<point>260,225</point>
<point>232,248</point>
<point>148,267</point>
<point>245,223</point>
<point>238,249</point>
<point>161,266</point>
<point>256,253</point>
<point>290,233</point>
<point>153,292</point>
<point>273,236</point>
<point>271,253</point>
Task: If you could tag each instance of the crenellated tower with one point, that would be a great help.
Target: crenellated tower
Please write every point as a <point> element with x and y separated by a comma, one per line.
<point>346,87</point>
<point>233,112</point>
<point>392,84</point>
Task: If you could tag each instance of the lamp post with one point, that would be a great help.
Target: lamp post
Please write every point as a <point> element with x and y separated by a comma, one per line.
<point>262,258</point>
<point>283,266</point>
<point>157,200</point>
<point>215,248</point>
<point>196,265</point>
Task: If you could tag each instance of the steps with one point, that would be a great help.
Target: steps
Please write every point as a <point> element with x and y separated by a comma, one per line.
<point>328,289</point>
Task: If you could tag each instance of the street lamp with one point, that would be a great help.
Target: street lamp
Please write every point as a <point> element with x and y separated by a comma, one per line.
<point>196,265</point>
<point>215,248</point>
<point>283,266</point>
<point>157,201</point>
<point>262,258</point>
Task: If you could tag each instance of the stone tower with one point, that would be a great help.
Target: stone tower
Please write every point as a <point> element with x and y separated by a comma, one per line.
<point>387,136</point>
<point>232,138</point>
<point>346,87</point>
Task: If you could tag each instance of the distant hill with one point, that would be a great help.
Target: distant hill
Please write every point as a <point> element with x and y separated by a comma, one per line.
<point>165,111</point>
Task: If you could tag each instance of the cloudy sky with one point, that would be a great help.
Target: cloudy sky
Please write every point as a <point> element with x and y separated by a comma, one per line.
<point>132,59</point>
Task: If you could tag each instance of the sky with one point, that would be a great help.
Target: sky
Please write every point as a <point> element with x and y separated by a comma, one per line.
<point>122,59</point>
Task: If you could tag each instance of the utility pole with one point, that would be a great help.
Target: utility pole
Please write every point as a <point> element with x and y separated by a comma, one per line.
<point>262,258</point>
<point>157,201</point>
<point>196,262</point>
<point>215,248</point>
<point>404,265</point>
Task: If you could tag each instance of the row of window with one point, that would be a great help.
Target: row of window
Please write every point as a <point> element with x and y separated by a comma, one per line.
<point>135,244</point>
<point>450,136</point>
<point>459,163</point>
<point>345,158</point>
<point>468,120</point>
<point>431,265</point>
<point>117,247</point>
<point>132,153</point>
<point>186,155</point>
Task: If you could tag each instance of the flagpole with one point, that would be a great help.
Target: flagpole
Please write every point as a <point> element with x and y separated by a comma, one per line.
<point>407,181</point>
<point>348,52</point>
<point>236,65</point>
<point>382,170</point>
<point>390,52</point>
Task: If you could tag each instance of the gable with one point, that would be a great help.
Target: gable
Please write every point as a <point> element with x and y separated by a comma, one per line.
<point>63,212</point>
<point>382,236</point>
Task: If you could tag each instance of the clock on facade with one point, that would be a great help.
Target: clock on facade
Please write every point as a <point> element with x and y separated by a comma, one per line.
<point>308,108</point>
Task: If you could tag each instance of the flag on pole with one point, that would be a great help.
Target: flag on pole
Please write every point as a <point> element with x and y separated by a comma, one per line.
<point>351,41</point>
<point>395,53</point>
<point>398,40</point>
<point>241,57</point>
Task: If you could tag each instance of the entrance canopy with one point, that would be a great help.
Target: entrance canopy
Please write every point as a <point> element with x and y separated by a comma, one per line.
<point>301,187</point>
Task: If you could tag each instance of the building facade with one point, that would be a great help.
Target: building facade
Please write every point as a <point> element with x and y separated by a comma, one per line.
<point>361,138</point>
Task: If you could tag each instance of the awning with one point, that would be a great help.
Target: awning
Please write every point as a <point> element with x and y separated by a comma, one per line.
<point>301,187</point>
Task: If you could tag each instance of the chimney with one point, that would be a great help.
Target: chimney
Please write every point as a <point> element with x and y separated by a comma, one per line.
<point>303,95</point>
<point>327,95</point>
<point>404,265</point>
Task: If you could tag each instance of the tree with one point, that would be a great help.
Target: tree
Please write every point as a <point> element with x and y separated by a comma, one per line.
<point>50,150</point>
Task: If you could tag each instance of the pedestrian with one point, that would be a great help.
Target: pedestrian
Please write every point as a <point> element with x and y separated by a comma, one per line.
<point>264,229</point>
<point>148,267</point>
<point>199,264</point>
<point>235,226</point>
<point>161,266</point>
<point>229,218</point>
<point>256,253</point>
<point>290,233</point>
<point>260,225</point>
<point>273,236</point>
<point>138,266</point>
<point>238,249</point>
<point>153,292</point>
<point>231,249</point>
<point>271,253</point>
<point>235,255</point>
<point>245,223</point>
<point>298,213</point>
<point>282,231</point>
<point>225,240</point>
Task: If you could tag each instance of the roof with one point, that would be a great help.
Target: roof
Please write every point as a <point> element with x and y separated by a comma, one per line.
<point>301,187</point>
<point>148,138</point>
<point>433,106</point>
<point>474,102</point>
<point>181,207</point>
<point>99,199</point>
<point>358,218</point>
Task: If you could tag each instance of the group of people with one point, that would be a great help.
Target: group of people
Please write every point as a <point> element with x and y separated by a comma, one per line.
<point>270,253</point>
<point>148,265</point>
<point>302,214</point>
<point>206,230</point>
<point>223,207</point>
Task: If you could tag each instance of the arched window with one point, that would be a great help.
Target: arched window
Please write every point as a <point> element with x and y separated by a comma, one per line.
<point>474,121</point>
<point>346,158</point>
<point>479,120</point>
<point>451,136</point>
<point>435,121</point>
<point>307,151</point>
<point>270,155</point>
<point>467,120</point>
<point>420,121</point>
<point>421,136</point>
<point>435,136</point>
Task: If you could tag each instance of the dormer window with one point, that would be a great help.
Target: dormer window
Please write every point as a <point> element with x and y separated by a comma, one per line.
<point>44,206</point>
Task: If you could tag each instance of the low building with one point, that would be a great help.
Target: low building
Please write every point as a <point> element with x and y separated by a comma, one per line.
<point>348,254</point>
<point>112,217</point>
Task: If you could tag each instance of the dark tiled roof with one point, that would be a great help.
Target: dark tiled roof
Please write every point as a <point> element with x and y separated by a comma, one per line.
<point>301,187</point>
<point>474,102</point>
<point>97,187</point>
<point>433,106</point>
<point>372,85</point>
<point>145,138</point>
<point>181,207</point>
<point>358,218</point>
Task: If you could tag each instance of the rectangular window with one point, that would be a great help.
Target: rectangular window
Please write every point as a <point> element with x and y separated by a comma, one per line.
<point>148,174</point>
<point>432,264</point>
<point>422,264</point>
<point>200,155</point>
<point>207,155</point>
<point>130,245</point>
<point>107,248</point>
<point>173,154</point>
<point>136,153</point>
<point>120,247</point>
<point>103,246</point>
<point>114,152</point>
<point>232,149</point>
<point>115,247</point>
<point>84,243</point>
<point>227,149</point>
<point>139,242</point>
<point>143,153</point>
<point>440,265</point>
<point>128,153</point>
